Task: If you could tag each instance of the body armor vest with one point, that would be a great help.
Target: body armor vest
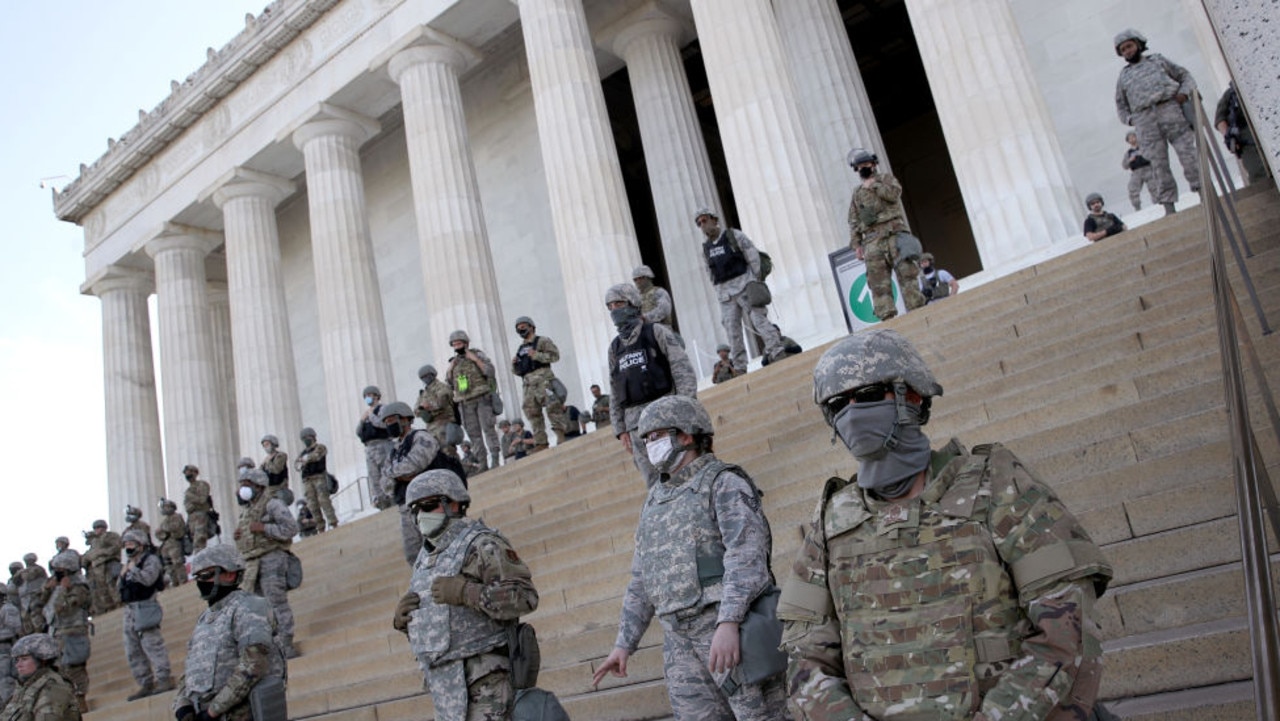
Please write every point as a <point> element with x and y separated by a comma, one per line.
<point>725,259</point>
<point>469,381</point>
<point>256,545</point>
<point>212,652</point>
<point>525,364</point>
<point>440,632</point>
<point>131,591</point>
<point>642,372</point>
<point>318,467</point>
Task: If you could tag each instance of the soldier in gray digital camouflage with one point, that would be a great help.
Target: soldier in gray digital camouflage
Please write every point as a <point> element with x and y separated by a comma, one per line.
<point>313,465</point>
<point>1150,94</point>
<point>468,587</point>
<point>471,463</point>
<point>942,584</point>
<point>413,451</point>
<point>436,409</point>
<point>532,363</point>
<point>471,376</point>
<point>67,604</point>
<point>141,579</point>
<point>10,631</point>
<point>198,504</point>
<point>33,578</point>
<point>377,446</point>
<point>733,263</point>
<point>701,559</point>
<point>646,362</point>
<point>170,533</point>
<point>233,653</point>
<point>263,537</point>
<point>876,220</point>
<point>655,301</point>
<point>42,693</point>
<point>102,563</point>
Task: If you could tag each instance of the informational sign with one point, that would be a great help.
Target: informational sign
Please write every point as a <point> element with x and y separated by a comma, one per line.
<point>855,297</point>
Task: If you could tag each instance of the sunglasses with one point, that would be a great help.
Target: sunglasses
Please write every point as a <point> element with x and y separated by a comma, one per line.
<point>206,575</point>
<point>427,505</point>
<point>873,393</point>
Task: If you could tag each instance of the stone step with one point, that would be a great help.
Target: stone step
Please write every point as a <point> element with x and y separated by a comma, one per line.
<point>1156,662</point>
<point>1221,702</point>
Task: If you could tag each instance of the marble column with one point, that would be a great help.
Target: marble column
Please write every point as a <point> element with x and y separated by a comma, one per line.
<point>135,467</point>
<point>832,95</point>
<point>1252,50</point>
<point>194,431</point>
<point>453,242</point>
<point>353,333</point>
<point>224,360</point>
<point>1198,19</point>
<point>595,235</point>
<point>781,197</point>
<point>266,398</point>
<point>676,157</point>
<point>1015,183</point>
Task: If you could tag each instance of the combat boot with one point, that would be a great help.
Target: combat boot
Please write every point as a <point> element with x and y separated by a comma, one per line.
<point>1169,209</point>
<point>144,691</point>
<point>84,703</point>
<point>163,686</point>
<point>286,645</point>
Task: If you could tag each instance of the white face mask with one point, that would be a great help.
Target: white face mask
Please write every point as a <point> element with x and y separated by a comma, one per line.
<point>430,523</point>
<point>245,493</point>
<point>663,454</point>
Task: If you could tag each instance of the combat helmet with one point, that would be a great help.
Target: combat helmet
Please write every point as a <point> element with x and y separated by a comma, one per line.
<point>524,319</point>
<point>1130,34</point>
<point>436,482</point>
<point>396,408</point>
<point>67,560</point>
<point>871,356</point>
<point>167,506</point>
<point>427,371</point>
<point>136,535</point>
<point>30,558</point>
<point>1088,200</point>
<point>625,292</point>
<point>704,211</point>
<point>269,438</point>
<point>459,335</point>
<point>99,523</point>
<point>306,433</point>
<point>15,567</point>
<point>190,467</point>
<point>371,391</point>
<point>927,256</point>
<point>685,414</point>
<point>40,646</point>
<point>245,462</point>
<point>132,513</point>
<point>858,156</point>
<point>223,555</point>
<point>723,347</point>
<point>257,477</point>
<point>642,271</point>
<point>62,541</point>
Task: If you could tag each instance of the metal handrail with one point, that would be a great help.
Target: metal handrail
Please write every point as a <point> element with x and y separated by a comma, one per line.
<point>1254,494</point>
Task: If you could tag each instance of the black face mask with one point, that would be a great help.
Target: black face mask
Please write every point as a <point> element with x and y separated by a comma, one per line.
<point>393,429</point>
<point>190,476</point>
<point>866,172</point>
<point>460,351</point>
<point>59,574</point>
<point>212,591</point>
<point>131,551</point>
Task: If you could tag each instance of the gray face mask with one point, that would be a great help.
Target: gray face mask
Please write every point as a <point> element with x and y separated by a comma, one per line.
<point>888,457</point>
<point>625,316</point>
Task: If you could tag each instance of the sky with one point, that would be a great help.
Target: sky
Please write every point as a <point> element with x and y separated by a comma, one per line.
<point>74,72</point>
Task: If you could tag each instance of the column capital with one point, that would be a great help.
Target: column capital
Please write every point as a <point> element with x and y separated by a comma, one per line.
<point>119,277</point>
<point>424,44</point>
<point>175,236</point>
<point>325,119</point>
<point>243,182</point>
<point>649,19</point>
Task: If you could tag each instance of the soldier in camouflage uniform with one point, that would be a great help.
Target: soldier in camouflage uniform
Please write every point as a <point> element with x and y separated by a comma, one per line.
<point>29,594</point>
<point>1140,172</point>
<point>468,586</point>
<point>198,504</point>
<point>655,301</point>
<point>646,362</point>
<point>263,537</point>
<point>876,218</point>
<point>62,543</point>
<point>599,407</point>
<point>10,631</point>
<point>377,446</point>
<point>233,645</point>
<point>276,465</point>
<point>142,577</point>
<point>933,584</point>
<point>1150,94</point>
<point>505,436</point>
<point>732,262</point>
<point>435,408</point>
<point>413,451</point>
<point>170,533</point>
<point>699,590</point>
<point>723,370</point>
<point>532,362</point>
<point>102,562</point>
<point>1099,223</point>
<point>313,465</point>
<point>471,378</point>
<point>471,463</point>
<point>42,693</point>
<point>67,604</point>
<point>133,515</point>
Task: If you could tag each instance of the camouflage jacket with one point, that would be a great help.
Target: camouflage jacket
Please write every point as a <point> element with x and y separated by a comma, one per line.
<point>10,623</point>
<point>172,528</point>
<point>232,646</point>
<point>975,595</point>
<point>702,539</point>
<point>314,453</point>
<point>542,350</point>
<point>600,410</point>
<point>435,404</point>
<point>467,380</point>
<point>67,609</point>
<point>682,376</point>
<point>275,464</point>
<point>279,526</point>
<point>723,371</point>
<point>876,211</point>
<point>102,549</point>
<point>45,696</point>
<point>409,456</point>
<point>196,498</point>
<point>655,305</point>
<point>1149,82</point>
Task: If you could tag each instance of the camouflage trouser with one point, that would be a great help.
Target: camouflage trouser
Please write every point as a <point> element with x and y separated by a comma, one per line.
<point>8,674</point>
<point>439,430</point>
<point>148,658</point>
<point>375,457</point>
<point>737,312</point>
<point>33,621</point>
<point>77,675</point>
<point>881,256</point>
<point>477,419</point>
<point>695,691</point>
<point>1161,124</point>
<point>175,565</point>
<point>200,528</point>
<point>102,590</point>
<point>538,396</point>
<point>271,585</point>
<point>1138,178</point>
<point>487,696</point>
<point>410,536</point>
<point>316,488</point>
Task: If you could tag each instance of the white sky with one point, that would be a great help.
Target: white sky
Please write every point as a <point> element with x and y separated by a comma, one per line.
<point>73,72</point>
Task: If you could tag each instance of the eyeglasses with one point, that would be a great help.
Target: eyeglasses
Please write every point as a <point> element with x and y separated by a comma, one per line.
<point>427,505</point>
<point>207,574</point>
<point>659,435</point>
<point>873,393</point>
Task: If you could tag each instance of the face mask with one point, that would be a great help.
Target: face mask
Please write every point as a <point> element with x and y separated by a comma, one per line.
<point>59,574</point>
<point>368,400</point>
<point>190,477</point>
<point>625,316</point>
<point>393,429</point>
<point>212,591</point>
<point>664,455</point>
<point>268,447</point>
<point>429,524</point>
<point>245,493</point>
<point>866,172</point>
<point>865,429</point>
<point>308,442</point>
<point>131,551</point>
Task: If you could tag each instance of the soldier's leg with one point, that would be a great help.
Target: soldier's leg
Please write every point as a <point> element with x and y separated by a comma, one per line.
<point>439,431</point>
<point>641,458</point>
<point>375,455</point>
<point>174,563</point>
<point>1182,136</point>
<point>908,280</point>
<point>78,677</point>
<point>557,416</point>
<point>761,701</point>
<point>694,693</point>
<point>1135,189</point>
<point>471,424</point>
<point>139,666</point>
<point>534,395</point>
<point>153,646</point>
<point>731,319</point>
<point>489,693</point>
<point>312,494</point>
<point>757,321</point>
<point>271,585</point>
<point>484,411</point>
<point>326,503</point>
<point>880,277</point>
<point>1155,149</point>
<point>1149,179</point>
<point>198,525</point>
<point>410,536</point>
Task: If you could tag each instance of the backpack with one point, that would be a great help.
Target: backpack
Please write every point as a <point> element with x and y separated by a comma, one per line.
<point>766,262</point>
<point>535,704</point>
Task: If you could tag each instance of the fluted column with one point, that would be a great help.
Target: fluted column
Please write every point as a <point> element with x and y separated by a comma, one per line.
<point>831,93</point>
<point>453,242</point>
<point>783,204</point>
<point>595,236</point>
<point>676,158</point>
<point>194,431</point>
<point>353,333</point>
<point>135,468</point>
<point>1252,51</point>
<point>266,396</point>
<point>223,359</point>
<point>1016,187</point>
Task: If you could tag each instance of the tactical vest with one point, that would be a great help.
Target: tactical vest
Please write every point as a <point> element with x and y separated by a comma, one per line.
<point>131,591</point>
<point>439,632</point>
<point>368,431</point>
<point>725,259</point>
<point>278,478</point>
<point>256,545</point>
<point>213,653</point>
<point>196,498</point>
<point>318,467</point>
<point>641,371</point>
<point>1146,83</point>
<point>525,364</point>
<point>468,379</point>
<point>1105,222</point>
<point>934,288</point>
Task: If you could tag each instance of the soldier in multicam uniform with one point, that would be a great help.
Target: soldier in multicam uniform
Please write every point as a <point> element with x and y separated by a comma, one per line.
<point>1150,94</point>
<point>29,594</point>
<point>471,463</point>
<point>102,562</point>
<point>42,693</point>
<point>1099,223</point>
<point>142,577</point>
<point>435,408</point>
<point>413,451</point>
<point>377,446</point>
<point>67,603</point>
<point>532,362</point>
<point>62,543</point>
<point>933,584</point>
<point>170,533</point>
<point>276,465</point>
<point>505,437</point>
<point>471,378</point>
<point>232,647</point>
<point>306,520</point>
<point>876,218</point>
<point>10,631</point>
<point>263,537</point>
<point>599,407</point>
<point>655,301</point>
<point>701,558</point>
<point>646,362</point>
<point>468,586</point>
<point>198,504</point>
<point>133,515</point>
<point>313,465</point>
<point>723,370</point>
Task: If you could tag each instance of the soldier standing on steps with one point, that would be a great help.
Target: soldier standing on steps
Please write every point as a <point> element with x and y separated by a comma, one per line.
<point>313,465</point>
<point>435,408</point>
<point>933,584</point>
<point>67,603</point>
<point>377,446</point>
<point>532,363</point>
<point>142,577</point>
<point>102,561</point>
<point>198,504</point>
<point>263,537</point>
<point>170,533</point>
<point>876,219</point>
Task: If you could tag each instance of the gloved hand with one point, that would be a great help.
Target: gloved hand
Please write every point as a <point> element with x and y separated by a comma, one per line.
<point>185,713</point>
<point>450,589</point>
<point>407,605</point>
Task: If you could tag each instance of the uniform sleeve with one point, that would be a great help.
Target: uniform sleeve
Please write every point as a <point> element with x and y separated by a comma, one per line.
<point>253,639</point>
<point>617,414</point>
<point>637,610</point>
<point>855,223</point>
<point>420,455</point>
<point>486,365</point>
<point>279,523</point>
<point>506,585</point>
<point>53,703</point>
<point>546,351</point>
<point>1186,83</point>
<point>744,530</point>
<point>682,373</point>
<point>147,573</point>
<point>749,250</point>
<point>662,306</point>
<point>888,188</point>
<point>1122,103</point>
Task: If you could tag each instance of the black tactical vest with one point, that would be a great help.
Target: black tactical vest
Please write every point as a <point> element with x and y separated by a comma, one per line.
<point>641,371</point>
<point>525,364</point>
<point>725,259</point>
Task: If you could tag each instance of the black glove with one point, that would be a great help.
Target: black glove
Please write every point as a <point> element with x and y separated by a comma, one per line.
<point>184,713</point>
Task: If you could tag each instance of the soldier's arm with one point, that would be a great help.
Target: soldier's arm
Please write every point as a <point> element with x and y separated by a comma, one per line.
<point>1186,83</point>
<point>76,597</point>
<point>546,351</point>
<point>1122,105</point>
<point>637,610</point>
<point>888,188</point>
<point>147,573</point>
<point>279,523</point>
<point>55,703</point>
<point>747,542</point>
<point>253,664</point>
<point>486,365</point>
<point>662,306</point>
<point>682,373</point>
<point>617,414</point>
<point>749,250</point>
<point>504,590</point>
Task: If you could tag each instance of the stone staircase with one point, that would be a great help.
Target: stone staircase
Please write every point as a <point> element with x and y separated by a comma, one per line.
<point>1099,368</point>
